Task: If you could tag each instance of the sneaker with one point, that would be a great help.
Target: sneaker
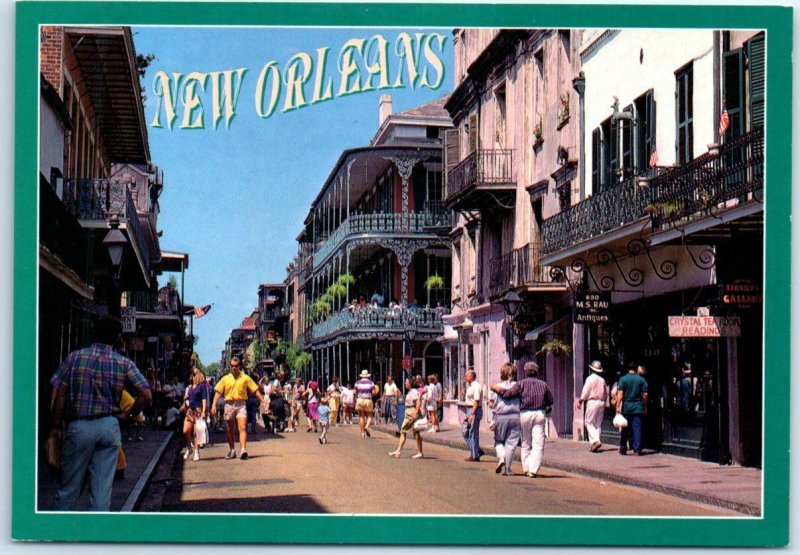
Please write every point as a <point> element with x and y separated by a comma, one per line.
<point>186,454</point>
<point>231,454</point>
<point>321,441</point>
<point>417,456</point>
<point>243,455</point>
<point>501,464</point>
<point>366,431</point>
<point>325,441</point>
<point>196,456</point>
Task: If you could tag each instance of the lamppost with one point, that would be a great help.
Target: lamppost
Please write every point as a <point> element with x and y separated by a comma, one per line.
<point>409,334</point>
<point>115,242</point>
<point>512,303</point>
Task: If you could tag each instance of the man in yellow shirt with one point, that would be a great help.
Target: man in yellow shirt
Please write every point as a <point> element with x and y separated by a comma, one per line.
<point>234,387</point>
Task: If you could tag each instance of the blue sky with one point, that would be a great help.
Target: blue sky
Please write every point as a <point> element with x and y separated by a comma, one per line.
<point>235,198</point>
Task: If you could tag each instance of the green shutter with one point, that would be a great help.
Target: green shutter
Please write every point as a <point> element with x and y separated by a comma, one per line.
<point>733,92</point>
<point>596,153</point>
<point>613,155</point>
<point>627,144</point>
<point>755,60</point>
<point>650,137</point>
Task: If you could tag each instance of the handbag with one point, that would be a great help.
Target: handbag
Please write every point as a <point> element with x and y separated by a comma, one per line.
<point>201,431</point>
<point>420,424</point>
<point>52,450</point>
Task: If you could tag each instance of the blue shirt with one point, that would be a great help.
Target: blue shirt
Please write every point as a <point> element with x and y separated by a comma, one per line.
<point>324,412</point>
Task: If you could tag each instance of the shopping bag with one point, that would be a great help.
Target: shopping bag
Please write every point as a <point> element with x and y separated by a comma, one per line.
<point>201,431</point>
<point>620,421</point>
<point>420,424</point>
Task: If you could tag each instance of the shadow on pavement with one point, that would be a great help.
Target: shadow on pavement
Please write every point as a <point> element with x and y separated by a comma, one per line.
<point>266,504</point>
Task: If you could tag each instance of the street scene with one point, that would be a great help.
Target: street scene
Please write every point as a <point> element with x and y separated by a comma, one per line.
<point>521,269</point>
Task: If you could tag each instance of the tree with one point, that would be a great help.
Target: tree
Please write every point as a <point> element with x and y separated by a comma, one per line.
<point>212,370</point>
<point>173,281</point>
<point>196,362</point>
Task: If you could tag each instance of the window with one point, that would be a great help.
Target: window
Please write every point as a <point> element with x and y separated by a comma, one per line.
<point>645,139</point>
<point>685,114</point>
<point>733,92</point>
<point>500,116</point>
<point>431,132</point>
<point>754,50</point>
<point>563,36</point>
<point>538,88</point>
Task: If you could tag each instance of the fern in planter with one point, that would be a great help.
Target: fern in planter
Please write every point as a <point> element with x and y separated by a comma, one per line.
<point>663,210</point>
<point>434,281</point>
<point>556,347</point>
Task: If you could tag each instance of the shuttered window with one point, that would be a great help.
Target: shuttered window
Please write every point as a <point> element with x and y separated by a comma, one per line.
<point>684,80</point>
<point>733,92</point>
<point>596,160</point>
<point>473,133</point>
<point>627,130</point>
<point>452,152</point>
<point>610,154</point>
<point>645,130</point>
<point>755,61</point>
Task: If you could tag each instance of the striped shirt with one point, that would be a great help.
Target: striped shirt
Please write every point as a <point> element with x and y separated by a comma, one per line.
<point>364,388</point>
<point>93,378</point>
<point>533,394</point>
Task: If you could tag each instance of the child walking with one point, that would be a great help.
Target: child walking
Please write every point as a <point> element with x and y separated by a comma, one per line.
<point>324,411</point>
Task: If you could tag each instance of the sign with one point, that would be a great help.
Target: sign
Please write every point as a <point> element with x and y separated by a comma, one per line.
<point>591,307</point>
<point>136,344</point>
<point>128,316</point>
<point>741,294</point>
<point>407,362</point>
<point>704,326</point>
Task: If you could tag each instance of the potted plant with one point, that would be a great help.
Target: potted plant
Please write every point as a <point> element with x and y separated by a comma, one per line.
<point>538,131</point>
<point>434,281</point>
<point>563,114</point>
<point>662,210</point>
<point>556,347</point>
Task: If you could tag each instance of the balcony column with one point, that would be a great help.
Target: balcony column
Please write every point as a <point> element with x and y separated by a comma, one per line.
<point>347,270</point>
<point>404,167</point>
<point>349,167</point>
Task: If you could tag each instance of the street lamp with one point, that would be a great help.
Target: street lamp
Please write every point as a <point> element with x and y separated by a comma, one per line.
<point>512,303</point>
<point>409,334</point>
<point>115,242</point>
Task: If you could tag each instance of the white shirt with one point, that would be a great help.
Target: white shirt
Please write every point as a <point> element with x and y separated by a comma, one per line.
<point>348,396</point>
<point>594,388</point>
<point>473,393</point>
<point>390,390</point>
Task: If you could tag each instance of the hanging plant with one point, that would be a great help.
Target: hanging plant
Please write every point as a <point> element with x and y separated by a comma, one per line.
<point>556,347</point>
<point>336,290</point>
<point>434,281</point>
<point>346,279</point>
<point>663,210</point>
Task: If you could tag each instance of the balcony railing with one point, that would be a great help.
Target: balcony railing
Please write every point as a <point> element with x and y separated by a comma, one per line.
<point>271,314</point>
<point>482,167</point>
<point>381,318</point>
<point>103,199</point>
<point>411,222</point>
<point>145,301</point>
<point>518,268</point>
<point>708,184</point>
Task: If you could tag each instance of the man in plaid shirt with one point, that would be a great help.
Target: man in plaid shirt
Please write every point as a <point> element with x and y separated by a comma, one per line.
<point>85,405</point>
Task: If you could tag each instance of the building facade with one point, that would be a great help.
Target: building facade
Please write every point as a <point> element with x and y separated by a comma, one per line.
<point>376,268</point>
<point>670,232</point>
<point>512,160</point>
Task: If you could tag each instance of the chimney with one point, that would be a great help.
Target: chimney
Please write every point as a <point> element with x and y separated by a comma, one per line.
<point>385,109</point>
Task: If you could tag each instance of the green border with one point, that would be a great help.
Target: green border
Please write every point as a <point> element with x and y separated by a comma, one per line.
<point>773,529</point>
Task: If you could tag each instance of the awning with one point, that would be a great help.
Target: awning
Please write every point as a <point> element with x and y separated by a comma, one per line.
<point>534,334</point>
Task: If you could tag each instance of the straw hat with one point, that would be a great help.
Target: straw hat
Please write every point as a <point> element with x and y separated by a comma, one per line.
<point>365,374</point>
<point>595,366</point>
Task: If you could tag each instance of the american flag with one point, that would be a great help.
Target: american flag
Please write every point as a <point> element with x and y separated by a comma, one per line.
<point>653,157</point>
<point>724,120</point>
<point>200,311</point>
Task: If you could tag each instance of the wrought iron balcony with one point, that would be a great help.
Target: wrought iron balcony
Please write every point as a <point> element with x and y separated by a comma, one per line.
<point>518,268</point>
<point>379,319</point>
<point>103,199</point>
<point>483,170</point>
<point>272,314</point>
<point>153,303</point>
<point>395,223</point>
<point>709,184</point>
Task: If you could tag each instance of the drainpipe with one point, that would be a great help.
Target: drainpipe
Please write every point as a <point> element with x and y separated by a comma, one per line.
<point>717,82</point>
<point>579,84</point>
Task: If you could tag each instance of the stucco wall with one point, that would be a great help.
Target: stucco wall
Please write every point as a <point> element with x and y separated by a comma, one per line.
<point>51,140</point>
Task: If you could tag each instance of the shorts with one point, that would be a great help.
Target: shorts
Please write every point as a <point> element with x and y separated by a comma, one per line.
<point>235,409</point>
<point>408,424</point>
<point>364,405</point>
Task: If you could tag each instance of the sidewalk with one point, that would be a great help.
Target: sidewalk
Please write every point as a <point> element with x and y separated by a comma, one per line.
<point>731,487</point>
<point>142,458</point>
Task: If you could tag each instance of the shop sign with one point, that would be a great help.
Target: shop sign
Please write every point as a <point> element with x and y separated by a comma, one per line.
<point>741,294</point>
<point>592,307</point>
<point>128,316</point>
<point>704,326</point>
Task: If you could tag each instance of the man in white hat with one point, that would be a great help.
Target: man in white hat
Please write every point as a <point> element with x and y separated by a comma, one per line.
<point>593,398</point>
<point>365,389</point>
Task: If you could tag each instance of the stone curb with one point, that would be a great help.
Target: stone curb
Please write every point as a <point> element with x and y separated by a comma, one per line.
<point>744,508</point>
<point>136,494</point>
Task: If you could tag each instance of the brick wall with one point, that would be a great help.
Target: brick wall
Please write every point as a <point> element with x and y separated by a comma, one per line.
<point>52,43</point>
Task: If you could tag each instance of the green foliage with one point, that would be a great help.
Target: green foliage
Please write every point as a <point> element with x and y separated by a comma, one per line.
<point>346,279</point>
<point>434,281</point>
<point>173,281</point>
<point>336,290</point>
<point>196,362</point>
<point>556,347</point>
<point>212,369</point>
<point>143,61</point>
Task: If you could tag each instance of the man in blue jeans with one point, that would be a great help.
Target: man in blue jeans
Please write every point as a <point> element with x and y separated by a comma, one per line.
<point>85,406</point>
<point>632,403</point>
<point>472,424</point>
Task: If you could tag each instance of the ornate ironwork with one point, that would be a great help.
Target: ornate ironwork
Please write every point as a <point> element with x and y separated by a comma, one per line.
<point>667,269</point>
<point>519,267</point>
<point>405,166</point>
<point>379,320</point>
<point>707,185</point>
<point>579,265</point>
<point>633,277</point>
<point>706,260</point>
<point>482,167</point>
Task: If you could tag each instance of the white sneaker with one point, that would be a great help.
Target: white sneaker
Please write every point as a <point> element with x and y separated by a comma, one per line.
<point>243,455</point>
<point>196,456</point>
<point>186,454</point>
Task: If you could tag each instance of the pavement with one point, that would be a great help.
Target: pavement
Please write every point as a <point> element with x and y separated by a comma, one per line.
<point>731,487</point>
<point>142,458</point>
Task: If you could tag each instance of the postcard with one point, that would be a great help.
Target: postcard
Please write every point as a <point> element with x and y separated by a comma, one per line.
<point>402,273</point>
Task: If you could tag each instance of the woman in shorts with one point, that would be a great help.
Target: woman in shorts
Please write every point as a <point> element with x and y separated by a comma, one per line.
<point>413,412</point>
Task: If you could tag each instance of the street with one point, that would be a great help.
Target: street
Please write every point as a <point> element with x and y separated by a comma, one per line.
<point>293,473</point>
